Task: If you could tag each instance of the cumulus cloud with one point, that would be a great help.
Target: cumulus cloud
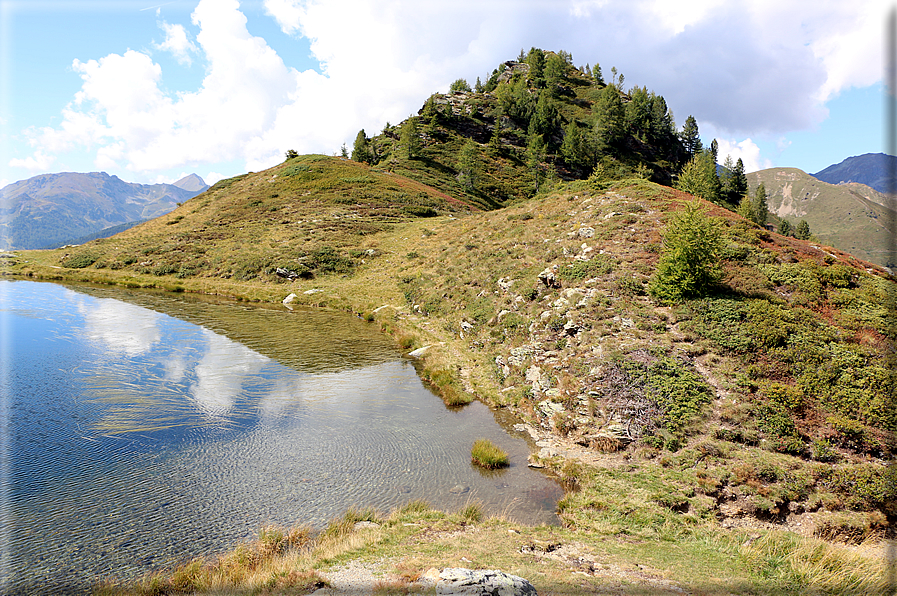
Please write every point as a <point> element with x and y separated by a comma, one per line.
<point>39,162</point>
<point>177,42</point>
<point>742,69</point>
<point>747,150</point>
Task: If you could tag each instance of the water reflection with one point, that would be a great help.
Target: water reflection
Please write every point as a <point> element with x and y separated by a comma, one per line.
<point>137,439</point>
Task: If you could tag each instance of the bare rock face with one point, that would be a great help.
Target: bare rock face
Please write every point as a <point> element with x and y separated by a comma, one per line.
<point>488,582</point>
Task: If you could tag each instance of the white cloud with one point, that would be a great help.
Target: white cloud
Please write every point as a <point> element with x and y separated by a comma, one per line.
<point>39,162</point>
<point>747,150</point>
<point>287,14</point>
<point>177,42</point>
<point>742,69</point>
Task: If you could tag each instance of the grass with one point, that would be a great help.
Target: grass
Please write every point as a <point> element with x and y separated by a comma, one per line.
<point>413,539</point>
<point>487,454</point>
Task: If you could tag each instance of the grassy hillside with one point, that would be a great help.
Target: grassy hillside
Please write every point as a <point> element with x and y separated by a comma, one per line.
<point>851,217</point>
<point>766,406</point>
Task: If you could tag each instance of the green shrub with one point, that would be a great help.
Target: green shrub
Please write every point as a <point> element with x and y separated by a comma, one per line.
<point>79,260</point>
<point>579,270</point>
<point>689,265</point>
<point>487,454</point>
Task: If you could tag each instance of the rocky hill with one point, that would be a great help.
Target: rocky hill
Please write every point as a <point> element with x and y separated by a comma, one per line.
<point>850,216</point>
<point>54,209</point>
<point>871,169</point>
<point>532,122</point>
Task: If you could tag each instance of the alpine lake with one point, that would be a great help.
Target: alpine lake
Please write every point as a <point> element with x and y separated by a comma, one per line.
<point>143,429</point>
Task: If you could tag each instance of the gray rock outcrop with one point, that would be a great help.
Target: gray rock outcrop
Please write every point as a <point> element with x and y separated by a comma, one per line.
<point>487,582</point>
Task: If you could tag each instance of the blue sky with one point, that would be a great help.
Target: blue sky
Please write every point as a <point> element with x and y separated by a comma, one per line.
<point>154,90</point>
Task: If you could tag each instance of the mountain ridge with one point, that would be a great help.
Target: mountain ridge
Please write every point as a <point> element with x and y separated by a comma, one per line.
<point>49,210</point>
<point>872,169</point>
<point>850,216</point>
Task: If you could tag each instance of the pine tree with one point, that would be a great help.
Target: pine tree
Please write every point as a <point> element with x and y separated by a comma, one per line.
<point>536,61</point>
<point>739,180</point>
<point>611,117</point>
<point>575,148</point>
<point>690,137</point>
<point>596,74</point>
<point>802,231</point>
<point>410,139</point>
<point>699,178</point>
<point>746,209</point>
<point>689,264</point>
<point>545,117</point>
<point>361,150</point>
<point>555,73</point>
<point>785,228</point>
<point>760,205</point>
<point>535,155</point>
<point>468,165</point>
<point>459,86</point>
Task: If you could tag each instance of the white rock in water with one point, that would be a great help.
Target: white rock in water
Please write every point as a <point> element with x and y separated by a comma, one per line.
<point>419,352</point>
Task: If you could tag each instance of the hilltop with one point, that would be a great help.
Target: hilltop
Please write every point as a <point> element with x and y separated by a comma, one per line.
<point>50,210</point>
<point>734,440</point>
<point>850,216</point>
<point>871,169</point>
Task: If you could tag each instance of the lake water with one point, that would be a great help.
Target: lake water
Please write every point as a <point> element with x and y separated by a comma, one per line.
<point>138,430</point>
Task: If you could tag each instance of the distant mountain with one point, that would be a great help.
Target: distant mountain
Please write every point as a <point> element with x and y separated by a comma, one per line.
<point>871,169</point>
<point>852,217</point>
<point>51,210</point>
<point>192,183</point>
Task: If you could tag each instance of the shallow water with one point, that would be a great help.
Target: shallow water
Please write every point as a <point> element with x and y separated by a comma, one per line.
<point>140,430</point>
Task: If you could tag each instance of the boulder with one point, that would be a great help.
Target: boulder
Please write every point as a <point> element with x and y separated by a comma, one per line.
<point>549,277</point>
<point>486,582</point>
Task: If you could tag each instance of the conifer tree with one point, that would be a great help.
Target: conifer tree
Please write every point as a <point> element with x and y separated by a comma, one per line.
<point>478,87</point>
<point>785,228</point>
<point>410,139</point>
<point>802,231</point>
<point>725,179</point>
<point>610,117</point>
<point>760,205</point>
<point>545,117</point>
<point>536,61</point>
<point>699,178</point>
<point>739,180</point>
<point>689,264</point>
<point>575,148</point>
<point>459,85</point>
<point>361,150</point>
<point>535,155</point>
<point>746,209</point>
<point>690,137</point>
<point>555,72</point>
<point>468,165</point>
<point>596,74</point>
